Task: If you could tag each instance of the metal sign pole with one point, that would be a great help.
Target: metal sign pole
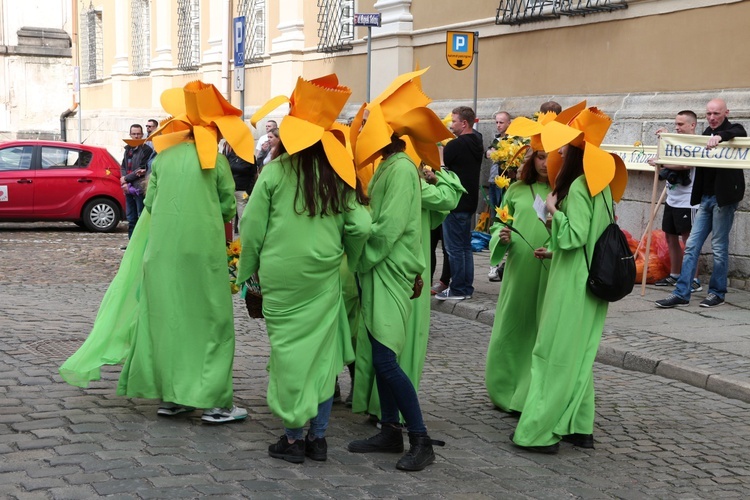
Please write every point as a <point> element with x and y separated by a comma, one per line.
<point>369,60</point>
<point>476,68</point>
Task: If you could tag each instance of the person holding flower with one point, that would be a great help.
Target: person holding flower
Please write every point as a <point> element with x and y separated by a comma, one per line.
<point>307,209</point>
<point>508,367</point>
<point>560,400</point>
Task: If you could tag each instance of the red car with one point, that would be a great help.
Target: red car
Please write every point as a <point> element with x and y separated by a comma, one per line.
<point>60,181</point>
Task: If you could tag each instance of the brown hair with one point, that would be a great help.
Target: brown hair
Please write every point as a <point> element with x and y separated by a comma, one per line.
<point>528,173</point>
<point>572,168</point>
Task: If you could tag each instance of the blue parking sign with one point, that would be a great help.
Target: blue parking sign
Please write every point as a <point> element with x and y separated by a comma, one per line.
<point>239,41</point>
<point>460,43</point>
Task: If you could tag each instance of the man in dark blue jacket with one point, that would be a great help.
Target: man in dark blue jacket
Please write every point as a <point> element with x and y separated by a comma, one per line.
<point>719,191</point>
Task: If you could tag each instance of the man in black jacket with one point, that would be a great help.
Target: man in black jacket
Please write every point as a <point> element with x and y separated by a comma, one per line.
<point>463,156</point>
<point>133,172</point>
<point>719,191</point>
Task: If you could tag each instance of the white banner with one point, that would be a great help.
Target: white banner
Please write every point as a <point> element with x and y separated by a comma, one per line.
<point>690,150</point>
<point>635,157</point>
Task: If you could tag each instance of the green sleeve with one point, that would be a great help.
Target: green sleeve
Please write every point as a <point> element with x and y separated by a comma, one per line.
<point>443,196</point>
<point>357,225</point>
<point>393,216</point>
<point>151,189</point>
<point>225,188</point>
<point>254,225</point>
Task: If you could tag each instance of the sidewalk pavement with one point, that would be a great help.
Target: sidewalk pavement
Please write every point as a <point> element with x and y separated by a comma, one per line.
<point>708,348</point>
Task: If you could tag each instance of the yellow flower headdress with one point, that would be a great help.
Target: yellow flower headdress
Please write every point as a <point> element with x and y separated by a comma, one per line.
<point>400,109</point>
<point>313,108</point>
<point>199,109</point>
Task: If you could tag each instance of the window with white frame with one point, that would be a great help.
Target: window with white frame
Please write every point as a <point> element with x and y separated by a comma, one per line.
<point>335,25</point>
<point>91,45</point>
<point>255,29</point>
<point>188,35</point>
<point>141,36</point>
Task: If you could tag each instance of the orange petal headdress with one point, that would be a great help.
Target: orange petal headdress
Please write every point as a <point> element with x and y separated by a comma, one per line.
<point>585,129</point>
<point>400,109</point>
<point>199,109</point>
<point>313,108</point>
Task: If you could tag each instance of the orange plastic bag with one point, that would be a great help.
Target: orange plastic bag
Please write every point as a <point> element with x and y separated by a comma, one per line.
<point>658,259</point>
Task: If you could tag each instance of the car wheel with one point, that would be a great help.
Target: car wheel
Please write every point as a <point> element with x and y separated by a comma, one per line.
<point>101,215</point>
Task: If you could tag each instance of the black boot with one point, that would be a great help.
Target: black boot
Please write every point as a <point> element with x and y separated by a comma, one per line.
<point>389,440</point>
<point>580,440</point>
<point>291,452</point>
<point>420,453</point>
<point>316,449</point>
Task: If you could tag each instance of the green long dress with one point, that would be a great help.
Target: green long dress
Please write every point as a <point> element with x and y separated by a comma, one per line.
<point>178,343</point>
<point>391,261</point>
<point>508,367</point>
<point>298,261</point>
<point>561,393</point>
<point>436,202</point>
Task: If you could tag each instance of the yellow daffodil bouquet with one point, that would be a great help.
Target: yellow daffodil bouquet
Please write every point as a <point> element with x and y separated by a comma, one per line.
<point>507,158</point>
<point>233,258</point>
<point>503,215</point>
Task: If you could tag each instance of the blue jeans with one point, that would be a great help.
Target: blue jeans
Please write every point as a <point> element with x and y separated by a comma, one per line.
<point>711,218</point>
<point>457,238</point>
<point>395,390</point>
<point>133,209</point>
<point>318,424</point>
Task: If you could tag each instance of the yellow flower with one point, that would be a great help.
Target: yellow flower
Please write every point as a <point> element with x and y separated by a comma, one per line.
<point>234,248</point>
<point>503,214</point>
<point>501,181</point>
<point>637,144</point>
<point>245,196</point>
<point>234,262</point>
<point>234,288</point>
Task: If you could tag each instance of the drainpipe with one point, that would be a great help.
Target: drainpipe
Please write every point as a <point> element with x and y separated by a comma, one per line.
<point>68,112</point>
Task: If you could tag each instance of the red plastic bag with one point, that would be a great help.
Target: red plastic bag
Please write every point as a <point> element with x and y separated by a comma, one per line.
<point>658,258</point>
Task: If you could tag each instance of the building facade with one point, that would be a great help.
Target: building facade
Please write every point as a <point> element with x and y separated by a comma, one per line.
<point>640,61</point>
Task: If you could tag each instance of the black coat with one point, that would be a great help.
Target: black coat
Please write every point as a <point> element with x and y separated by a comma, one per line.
<point>727,184</point>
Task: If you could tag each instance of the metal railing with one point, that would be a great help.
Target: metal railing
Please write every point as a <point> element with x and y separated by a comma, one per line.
<point>255,29</point>
<point>335,25</point>
<point>92,46</point>
<point>140,38</point>
<point>188,35</point>
<point>514,12</point>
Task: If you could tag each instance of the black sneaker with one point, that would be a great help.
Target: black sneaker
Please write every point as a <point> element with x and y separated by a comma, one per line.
<point>337,392</point>
<point>673,300</point>
<point>420,453</point>
<point>695,285</point>
<point>668,281</point>
<point>294,452</point>
<point>316,449</point>
<point>388,440</point>
<point>711,300</point>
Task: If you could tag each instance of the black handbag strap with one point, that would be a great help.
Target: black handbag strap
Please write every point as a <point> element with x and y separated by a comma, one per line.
<point>611,220</point>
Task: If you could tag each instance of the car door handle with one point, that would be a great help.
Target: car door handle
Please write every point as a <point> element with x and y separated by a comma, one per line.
<point>24,181</point>
<point>84,180</point>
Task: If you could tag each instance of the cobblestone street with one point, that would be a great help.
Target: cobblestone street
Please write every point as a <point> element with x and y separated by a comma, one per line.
<point>655,437</point>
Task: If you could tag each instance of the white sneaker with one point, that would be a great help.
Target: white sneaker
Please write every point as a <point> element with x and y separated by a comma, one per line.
<point>224,415</point>
<point>492,275</point>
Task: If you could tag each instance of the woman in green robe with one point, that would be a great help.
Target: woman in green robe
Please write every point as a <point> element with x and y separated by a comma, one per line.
<point>168,313</point>
<point>440,192</point>
<point>306,211</point>
<point>560,400</point>
<point>508,367</point>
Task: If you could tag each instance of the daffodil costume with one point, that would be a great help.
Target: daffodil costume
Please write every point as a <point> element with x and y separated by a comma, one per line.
<point>560,398</point>
<point>298,256</point>
<point>167,314</point>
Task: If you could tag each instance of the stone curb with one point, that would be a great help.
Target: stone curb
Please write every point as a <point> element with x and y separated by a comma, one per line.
<point>645,362</point>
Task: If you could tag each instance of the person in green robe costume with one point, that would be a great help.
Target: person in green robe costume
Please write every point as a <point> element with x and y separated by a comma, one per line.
<point>560,401</point>
<point>508,366</point>
<point>168,313</point>
<point>301,218</point>
<point>440,192</point>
